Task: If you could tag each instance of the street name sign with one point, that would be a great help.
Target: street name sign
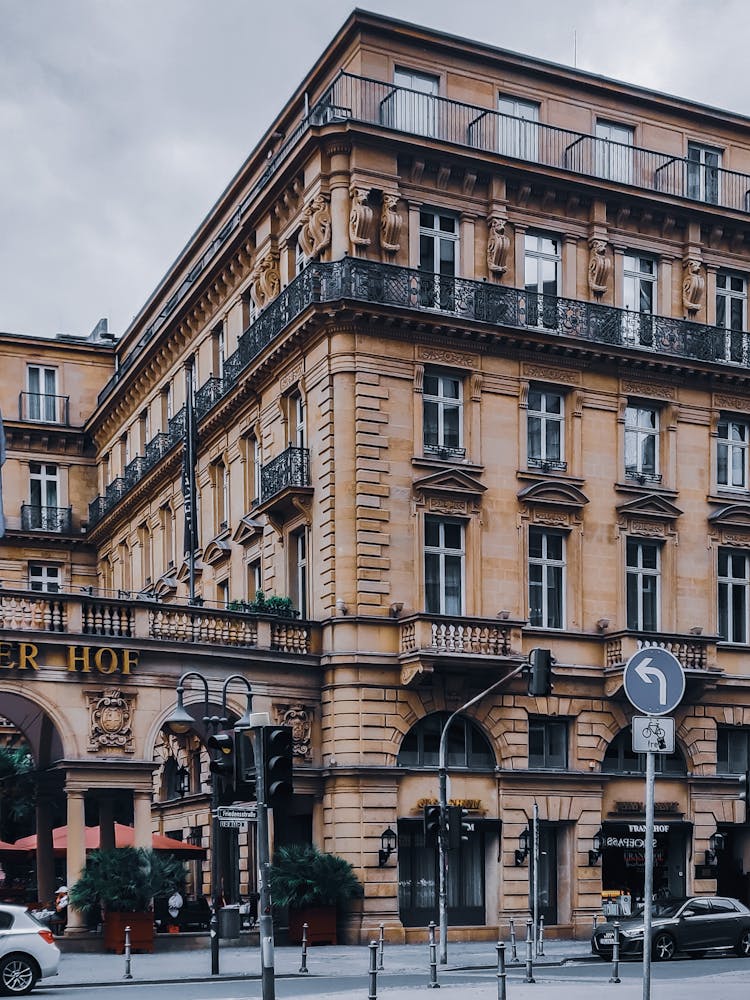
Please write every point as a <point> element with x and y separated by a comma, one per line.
<point>236,814</point>
<point>654,734</point>
<point>654,680</point>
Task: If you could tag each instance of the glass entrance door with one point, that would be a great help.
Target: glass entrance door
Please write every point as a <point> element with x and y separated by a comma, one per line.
<point>547,874</point>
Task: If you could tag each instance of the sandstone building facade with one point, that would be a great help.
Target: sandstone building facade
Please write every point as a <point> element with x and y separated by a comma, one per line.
<point>467,341</point>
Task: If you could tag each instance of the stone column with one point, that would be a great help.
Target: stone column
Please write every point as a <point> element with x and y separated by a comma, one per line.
<point>664,286</point>
<point>339,188</point>
<point>142,819</point>
<point>76,854</point>
<point>45,860</point>
<point>106,823</point>
<point>467,262</point>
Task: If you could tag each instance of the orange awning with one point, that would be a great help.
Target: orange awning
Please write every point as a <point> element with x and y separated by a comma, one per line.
<point>124,837</point>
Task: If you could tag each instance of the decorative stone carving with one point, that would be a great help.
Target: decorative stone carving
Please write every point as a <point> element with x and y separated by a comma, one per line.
<point>390,224</point>
<point>111,714</point>
<point>360,218</point>
<point>299,717</point>
<point>599,267</point>
<point>266,281</point>
<point>315,234</point>
<point>693,286</point>
<point>498,245</point>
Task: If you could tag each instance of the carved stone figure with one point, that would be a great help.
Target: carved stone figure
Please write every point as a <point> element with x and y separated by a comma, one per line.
<point>390,224</point>
<point>498,245</point>
<point>599,267</point>
<point>693,285</point>
<point>299,717</point>
<point>266,281</point>
<point>111,718</point>
<point>360,218</point>
<point>315,234</point>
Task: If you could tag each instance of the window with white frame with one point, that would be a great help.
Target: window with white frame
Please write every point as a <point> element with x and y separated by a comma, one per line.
<point>639,274</point>
<point>222,593</point>
<point>703,173</point>
<point>254,578</point>
<point>733,436</point>
<point>546,578</point>
<point>438,256</point>
<point>42,399</point>
<point>221,486</point>
<point>642,443</point>
<point>642,585</point>
<point>45,578</point>
<point>731,316</point>
<point>296,413</point>
<point>541,278</point>
<point>734,587</point>
<point>300,257</point>
<point>299,579</point>
<point>518,127</point>
<point>44,487</point>
<point>412,107</point>
<point>444,558</point>
<point>218,348</point>
<point>545,423</point>
<point>252,471</point>
<point>614,151</point>
<point>442,414</point>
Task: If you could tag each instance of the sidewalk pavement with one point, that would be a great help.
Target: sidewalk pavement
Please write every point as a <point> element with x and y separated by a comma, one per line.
<point>85,969</point>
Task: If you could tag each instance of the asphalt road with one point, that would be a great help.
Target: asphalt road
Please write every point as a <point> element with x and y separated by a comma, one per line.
<point>719,979</point>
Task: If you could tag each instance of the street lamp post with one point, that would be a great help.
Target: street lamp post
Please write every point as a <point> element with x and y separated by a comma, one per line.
<point>443,833</point>
<point>181,722</point>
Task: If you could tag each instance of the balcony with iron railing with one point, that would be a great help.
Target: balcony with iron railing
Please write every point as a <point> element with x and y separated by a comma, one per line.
<point>43,408</point>
<point>56,520</point>
<point>288,471</point>
<point>457,300</point>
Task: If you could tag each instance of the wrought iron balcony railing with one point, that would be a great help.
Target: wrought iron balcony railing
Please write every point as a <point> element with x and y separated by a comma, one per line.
<point>43,408</point>
<point>457,299</point>
<point>290,468</point>
<point>53,519</point>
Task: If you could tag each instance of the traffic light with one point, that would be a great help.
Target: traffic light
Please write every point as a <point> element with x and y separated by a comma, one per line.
<point>459,827</point>
<point>540,672</point>
<point>277,765</point>
<point>245,773</point>
<point>222,764</point>
<point>431,820</point>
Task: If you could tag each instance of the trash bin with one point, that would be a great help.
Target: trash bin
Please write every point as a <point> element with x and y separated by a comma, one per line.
<point>229,921</point>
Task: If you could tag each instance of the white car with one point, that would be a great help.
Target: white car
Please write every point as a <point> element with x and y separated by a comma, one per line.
<point>27,951</point>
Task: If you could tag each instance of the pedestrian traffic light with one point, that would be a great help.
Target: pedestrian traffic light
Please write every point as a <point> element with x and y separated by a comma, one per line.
<point>245,773</point>
<point>222,766</point>
<point>540,672</point>
<point>459,827</point>
<point>277,765</point>
<point>431,821</point>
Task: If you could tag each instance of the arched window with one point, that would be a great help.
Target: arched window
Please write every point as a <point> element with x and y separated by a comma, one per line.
<point>620,758</point>
<point>466,745</point>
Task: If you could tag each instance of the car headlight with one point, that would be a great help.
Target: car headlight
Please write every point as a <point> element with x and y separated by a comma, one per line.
<point>635,933</point>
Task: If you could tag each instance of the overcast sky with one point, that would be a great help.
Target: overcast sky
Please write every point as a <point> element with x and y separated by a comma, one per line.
<point>121,121</point>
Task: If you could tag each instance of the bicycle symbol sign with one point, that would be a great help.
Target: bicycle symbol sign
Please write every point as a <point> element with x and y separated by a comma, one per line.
<point>654,735</point>
<point>654,680</point>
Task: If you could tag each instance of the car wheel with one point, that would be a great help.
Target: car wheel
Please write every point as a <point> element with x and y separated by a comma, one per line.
<point>18,974</point>
<point>664,947</point>
<point>743,945</point>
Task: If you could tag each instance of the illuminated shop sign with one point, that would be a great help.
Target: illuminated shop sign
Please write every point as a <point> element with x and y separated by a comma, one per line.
<point>18,656</point>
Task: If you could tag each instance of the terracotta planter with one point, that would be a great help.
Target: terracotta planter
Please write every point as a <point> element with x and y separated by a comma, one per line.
<point>141,931</point>
<point>321,924</point>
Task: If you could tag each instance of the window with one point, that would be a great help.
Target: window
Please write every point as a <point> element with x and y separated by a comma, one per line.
<point>298,552</point>
<point>45,578</point>
<point>438,252</point>
<point>252,471</point>
<point>412,107</point>
<point>144,432</point>
<point>614,152</point>
<point>254,579</point>
<point>300,257</point>
<point>546,578</point>
<point>167,527</point>
<point>466,746</point>
<point>639,289</point>
<point>42,401</point>
<point>704,163</point>
<point>44,491</point>
<point>166,406</point>
<point>545,427</point>
<point>218,350</point>
<point>734,584</point>
<point>731,317</point>
<point>221,494</point>
<point>296,420</point>
<point>444,566</point>
<point>222,593</point>
<point>731,453</point>
<point>541,277</point>
<point>642,571</point>
<point>518,127</point>
<point>443,414</point>
<point>642,443</point>
<point>732,750</point>
<point>548,743</point>
<point>144,538</point>
<point>620,758</point>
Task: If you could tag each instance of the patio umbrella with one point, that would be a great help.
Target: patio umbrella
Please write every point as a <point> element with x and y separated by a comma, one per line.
<point>124,837</point>
<point>6,848</point>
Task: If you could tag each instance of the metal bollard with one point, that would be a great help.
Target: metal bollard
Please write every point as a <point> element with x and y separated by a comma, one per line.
<point>373,973</point>
<point>513,951</point>
<point>615,977</point>
<point>501,974</point>
<point>303,964</point>
<point>433,984</point>
<point>595,923</point>
<point>529,959</point>
<point>540,939</point>
<point>381,947</point>
<point>128,973</point>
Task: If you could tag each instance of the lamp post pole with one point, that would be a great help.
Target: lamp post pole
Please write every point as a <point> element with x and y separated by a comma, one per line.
<point>443,798</point>
<point>265,920</point>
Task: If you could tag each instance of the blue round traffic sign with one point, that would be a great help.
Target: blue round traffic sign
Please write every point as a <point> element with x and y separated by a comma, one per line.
<point>654,680</point>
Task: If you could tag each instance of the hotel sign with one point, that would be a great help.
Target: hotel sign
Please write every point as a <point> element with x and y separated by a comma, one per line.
<point>24,656</point>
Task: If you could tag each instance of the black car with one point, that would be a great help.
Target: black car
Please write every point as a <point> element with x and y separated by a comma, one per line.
<point>695,925</point>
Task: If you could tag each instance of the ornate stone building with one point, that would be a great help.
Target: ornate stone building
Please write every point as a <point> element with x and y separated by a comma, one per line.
<point>468,343</point>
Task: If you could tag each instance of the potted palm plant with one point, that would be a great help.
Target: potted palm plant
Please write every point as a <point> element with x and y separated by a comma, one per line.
<point>314,886</point>
<point>120,883</point>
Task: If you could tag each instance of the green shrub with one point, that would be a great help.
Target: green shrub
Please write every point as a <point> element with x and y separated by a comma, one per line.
<point>301,875</point>
<point>125,880</point>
